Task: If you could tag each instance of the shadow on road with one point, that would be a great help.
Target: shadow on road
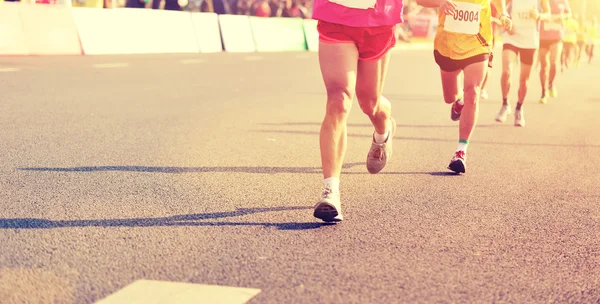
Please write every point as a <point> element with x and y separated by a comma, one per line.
<point>370,125</point>
<point>255,170</point>
<point>396,97</point>
<point>173,221</point>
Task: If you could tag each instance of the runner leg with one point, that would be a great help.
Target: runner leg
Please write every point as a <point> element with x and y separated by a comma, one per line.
<point>451,86</point>
<point>555,52</point>
<point>474,75</point>
<point>369,87</point>
<point>338,68</point>
<point>509,56</point>
<point>543,60</point>
<point>527,57</point>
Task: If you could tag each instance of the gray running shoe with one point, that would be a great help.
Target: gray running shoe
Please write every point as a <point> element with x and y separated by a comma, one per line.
<point>329,208</point>
<point>380,153</point>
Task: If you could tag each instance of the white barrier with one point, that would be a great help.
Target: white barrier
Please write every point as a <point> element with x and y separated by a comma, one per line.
<point>278,34</point>
<point>208,34</point>
<point>12,38</point>
<point>236,33</point>
<point>311,34</point>
<point>135,31</point>
<point>49,30</point>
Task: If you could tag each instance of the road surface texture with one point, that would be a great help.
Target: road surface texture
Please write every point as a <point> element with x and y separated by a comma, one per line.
<point>205,168</point>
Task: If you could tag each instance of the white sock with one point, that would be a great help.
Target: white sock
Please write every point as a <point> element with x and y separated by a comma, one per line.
<point>460,101</point>
<point>462,147</point>
<point>380,138</point>
<point>332,183</point>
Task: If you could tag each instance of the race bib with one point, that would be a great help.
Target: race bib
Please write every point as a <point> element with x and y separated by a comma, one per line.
<point>465,19</point>
<point>358,4</point>
<point>522,20</point>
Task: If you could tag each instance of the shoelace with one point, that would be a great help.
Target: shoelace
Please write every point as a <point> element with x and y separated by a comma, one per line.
<point>460,154</point>
<point>326,191</point>
<point>377,153</point>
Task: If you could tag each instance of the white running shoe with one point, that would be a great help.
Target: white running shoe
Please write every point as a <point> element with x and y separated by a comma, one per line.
<point>519,118</point>
<point>329,208</point>
<point>504,111</point>
<point>484,94</point>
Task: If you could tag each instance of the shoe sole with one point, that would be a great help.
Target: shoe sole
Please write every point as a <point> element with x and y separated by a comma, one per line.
<point>457,166</point>
<point>391,137</point>
<point>327,213</point>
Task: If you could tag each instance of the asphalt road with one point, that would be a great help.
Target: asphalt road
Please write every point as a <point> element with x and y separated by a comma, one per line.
<point>205,168</point>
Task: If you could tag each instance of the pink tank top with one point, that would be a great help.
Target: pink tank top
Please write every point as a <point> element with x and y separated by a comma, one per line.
<point>555,30</point>
<point>359,13</point>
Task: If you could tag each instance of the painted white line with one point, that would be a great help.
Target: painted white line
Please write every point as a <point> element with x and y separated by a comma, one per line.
<point>160,292</point>
<point>111,65</point>
<point>253,58</point>
<point>3,70</point>
<point>191,61</point>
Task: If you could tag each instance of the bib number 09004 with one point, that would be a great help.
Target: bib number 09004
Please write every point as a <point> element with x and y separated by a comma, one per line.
<point>465,20</point>
<point>461,15</point>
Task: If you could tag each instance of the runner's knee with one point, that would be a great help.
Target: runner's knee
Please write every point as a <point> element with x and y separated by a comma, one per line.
<point>339,101</point>
<point>367,99</point>
<point>506,74</point>
<point>472,92</point>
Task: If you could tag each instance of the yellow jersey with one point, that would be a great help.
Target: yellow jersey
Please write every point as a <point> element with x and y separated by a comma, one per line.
<point>592,34</point>
<point>571,30</point>
<point>467,33</point>
<point>582,33</point>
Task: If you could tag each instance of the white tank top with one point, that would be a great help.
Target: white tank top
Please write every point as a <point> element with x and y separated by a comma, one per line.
<point>526,30</point>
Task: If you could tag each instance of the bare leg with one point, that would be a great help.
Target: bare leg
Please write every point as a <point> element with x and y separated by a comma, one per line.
<point>508,57</point>
<point>369,87</point>
<point>474,75</point>
<point>555,53</point>
<point>338,67</point>
<point>544,65</point>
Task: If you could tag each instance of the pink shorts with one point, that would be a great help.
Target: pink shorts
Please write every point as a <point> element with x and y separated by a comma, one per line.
<point>372,42</point>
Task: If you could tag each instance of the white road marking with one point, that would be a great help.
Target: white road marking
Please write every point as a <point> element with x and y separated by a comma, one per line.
<point>111,65</point>
<point>253,58</point>
<point>3,70</point>
<point>192,61</point>
<point>161,292</point>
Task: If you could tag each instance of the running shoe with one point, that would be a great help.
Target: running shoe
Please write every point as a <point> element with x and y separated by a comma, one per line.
<point>329,208</point>
<point>553,93</point>
<point>458,163</point>
<point>519,118</point>
<point>484,94</point>
<point>544,99</point>
<point>380,153</point>
<point>456,111</point>
<point>504,111</point>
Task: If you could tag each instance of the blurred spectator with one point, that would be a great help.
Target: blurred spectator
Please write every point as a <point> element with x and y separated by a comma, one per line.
<point>293,9</point>
<point>220,7</point>
<point>170,5</point>
<point>136,3</point>
<point>261,8</point>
